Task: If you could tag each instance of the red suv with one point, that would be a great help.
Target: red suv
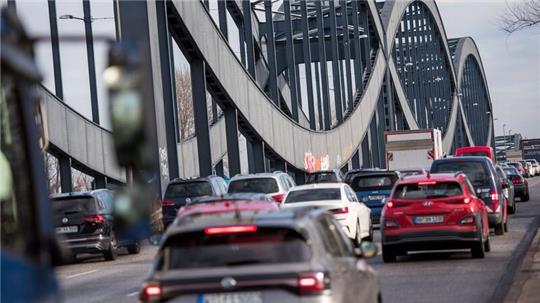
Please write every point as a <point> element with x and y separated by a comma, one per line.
<point>431,212</point>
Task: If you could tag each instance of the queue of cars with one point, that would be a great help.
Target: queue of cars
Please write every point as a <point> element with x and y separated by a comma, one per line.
<point>261,238</point>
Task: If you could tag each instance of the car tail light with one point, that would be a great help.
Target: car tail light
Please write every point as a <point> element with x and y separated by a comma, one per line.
<point>494,197</point>
<point>467,220</point>
<point>167,202</point>
<point>390,223</point>
<point>427,183</point>
<point>95,219</point>
<point>467,200</point>
<point>278,197</point>
<point>312,283</point>
<point>221,230</point>
<point>390,204</point>
<point>150,293</point>
<point>337,211</point>
<point>517,181</point>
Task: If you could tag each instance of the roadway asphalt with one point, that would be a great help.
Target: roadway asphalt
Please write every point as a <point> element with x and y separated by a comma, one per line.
<point>427,277</point>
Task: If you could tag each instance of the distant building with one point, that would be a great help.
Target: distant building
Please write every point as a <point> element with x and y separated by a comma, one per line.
<point>503,143</point>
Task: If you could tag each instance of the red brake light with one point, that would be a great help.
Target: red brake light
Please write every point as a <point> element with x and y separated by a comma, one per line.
<point>516,181</point>
<point>150,293</point>
<point>337,211</point>
<point>167,202</point>
<point>278,197</point>
<point>390,204</point>
<point>427,183</point>
<point>494,197</point>
<point>230,229</point>
<point>312,283</point>
<point>95,219</point>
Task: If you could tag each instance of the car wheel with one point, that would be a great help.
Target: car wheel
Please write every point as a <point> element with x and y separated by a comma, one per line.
<point>134,248</point>
<point>379,298</point>
<point>478,250</point>
<point>525,197</point>
<point>370,237</point>
<point>512,209</point>
<point>111,253</point>
<point>506,226</point>
<point>388,255</point>
<point>487,245</point>
<point>499,229</point>
<point>358,239</point>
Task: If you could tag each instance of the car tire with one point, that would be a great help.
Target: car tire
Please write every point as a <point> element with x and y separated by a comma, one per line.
<point>487,245</point>
<point>512,209</point>
<point>358,237</point>
<point>379,298</point>
<point>525,197</point>
<point>499,229</point>
<point>112,251</point>
<point>478,249</point>
<point>388,255</point>
<point>505,225</point>
<point>134,249</point>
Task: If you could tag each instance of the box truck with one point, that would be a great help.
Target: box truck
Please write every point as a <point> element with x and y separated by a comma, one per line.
<point>412,148</point>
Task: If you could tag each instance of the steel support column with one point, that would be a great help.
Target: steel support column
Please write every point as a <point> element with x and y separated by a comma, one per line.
<point>291,64</point>
<point>55,44</point>
<point>91,60</point>
<point>347,49</point>
<point>100,181</point>
<point>231,131</point>
<point>198,84</point>
<point>248,35</point>
<point>271,52</point>
<point>66,182</point>
<point>335,67</point>
<point>222,12</point>
<point>323,71</point>
<point>306,45</point>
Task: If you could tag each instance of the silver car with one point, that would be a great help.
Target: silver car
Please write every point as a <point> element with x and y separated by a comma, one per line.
<point>298,255</point>
<point>275,185</point>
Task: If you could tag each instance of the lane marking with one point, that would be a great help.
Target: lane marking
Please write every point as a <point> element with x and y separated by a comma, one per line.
<point>81,274</point>
<point>133,294</point>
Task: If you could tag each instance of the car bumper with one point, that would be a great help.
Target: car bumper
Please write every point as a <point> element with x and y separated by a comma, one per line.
<point>520,190</point>
<point>444,238</point>
<point>88,244</point>
<point>376,214</point>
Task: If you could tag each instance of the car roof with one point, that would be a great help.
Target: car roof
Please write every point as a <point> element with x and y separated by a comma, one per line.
<point>318,185</point>
<point>441,177</point>
<point>80,193</point>
<point>225,206</point>
<point>465,159</point>
<point>231,196</point>
<point>377,173</point>
<point>257,175</point>
<point>196,179</point>
<point>290,217</point>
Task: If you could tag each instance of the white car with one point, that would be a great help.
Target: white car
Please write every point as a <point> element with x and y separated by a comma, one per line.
<point>340,200</point>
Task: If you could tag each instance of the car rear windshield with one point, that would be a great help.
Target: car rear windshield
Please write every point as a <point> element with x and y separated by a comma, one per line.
<point>475,171</point>
<point>322,177</point>
<point>428,191</point>
<point>254,185</point>
<point>317,194</point>
<point>188,189</point>
<point>478,153</point>
<point>265,246</point>
<point>511,171</point>
<point>365,183</point>
<point>86,205</point>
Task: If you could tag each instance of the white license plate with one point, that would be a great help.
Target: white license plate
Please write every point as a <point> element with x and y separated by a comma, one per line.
<point>66,229</point>
<point>428,219</point>
<point>233,297</point>
<point>379,197</point>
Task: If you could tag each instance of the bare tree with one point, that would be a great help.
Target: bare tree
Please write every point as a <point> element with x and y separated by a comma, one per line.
<point>520,15</point>
<point>52,167</point>
<point>184,102</point>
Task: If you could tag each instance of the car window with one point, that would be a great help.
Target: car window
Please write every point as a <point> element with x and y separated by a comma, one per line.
<point>364,183</point>
<point>427,190</point>
<point>84,205</point>
<point>208,249</point>
<point>475,171</point>
<point>313,194</point>
<point>353,195</point>
<point>284,182</point>
<point>188,189</point>
<point>254,185</point>
<point>331,241</point>
<point>322,177</point>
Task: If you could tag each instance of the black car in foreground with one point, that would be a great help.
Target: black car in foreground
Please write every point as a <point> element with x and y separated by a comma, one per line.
<point>182,191</point>
<point>296,255</point>
<point>86,224</point>
<point>521,186</point>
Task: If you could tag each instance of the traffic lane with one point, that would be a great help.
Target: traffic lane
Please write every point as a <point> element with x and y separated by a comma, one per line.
<point>455,276</point>
<point>92,279</point>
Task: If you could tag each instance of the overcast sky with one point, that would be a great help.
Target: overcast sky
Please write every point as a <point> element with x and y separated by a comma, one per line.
<point>511,63</point>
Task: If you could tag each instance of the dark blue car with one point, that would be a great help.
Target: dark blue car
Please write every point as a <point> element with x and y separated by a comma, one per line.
<point>373,189</point>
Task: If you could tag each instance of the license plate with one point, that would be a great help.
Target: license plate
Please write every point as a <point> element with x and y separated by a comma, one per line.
<point>379,197</point>
<point>234,297</point>
<point>66,229</point>
<point>428,219</point>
